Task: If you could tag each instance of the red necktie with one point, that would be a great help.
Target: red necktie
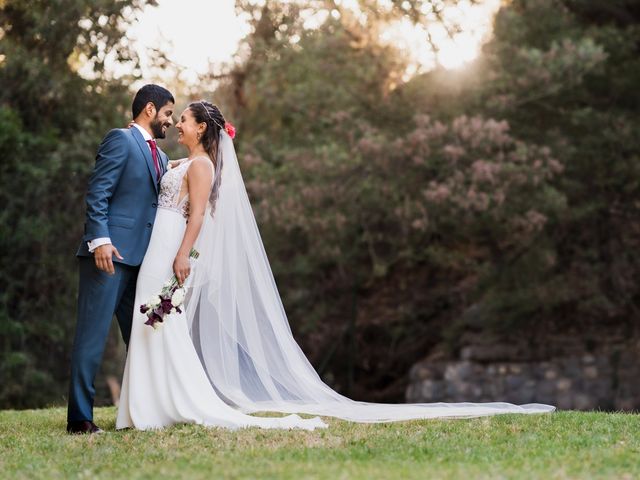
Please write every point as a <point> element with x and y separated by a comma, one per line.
<point>154,154</point>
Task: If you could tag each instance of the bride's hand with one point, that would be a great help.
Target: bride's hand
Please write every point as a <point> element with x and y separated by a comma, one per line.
<point>182,268</point>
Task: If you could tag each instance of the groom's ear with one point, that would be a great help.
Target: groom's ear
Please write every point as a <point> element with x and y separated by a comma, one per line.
<point>150,110</point>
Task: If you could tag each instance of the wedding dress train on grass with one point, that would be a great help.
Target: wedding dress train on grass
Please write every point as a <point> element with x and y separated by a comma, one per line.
<point>232,352</point>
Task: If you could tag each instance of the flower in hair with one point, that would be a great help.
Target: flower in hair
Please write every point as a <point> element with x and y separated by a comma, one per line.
<point>230,129</point>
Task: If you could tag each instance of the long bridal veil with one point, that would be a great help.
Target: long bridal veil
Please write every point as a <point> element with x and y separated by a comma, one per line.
<point>241,333</point>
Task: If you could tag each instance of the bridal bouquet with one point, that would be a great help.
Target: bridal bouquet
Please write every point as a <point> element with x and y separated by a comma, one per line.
<point>169,300</point>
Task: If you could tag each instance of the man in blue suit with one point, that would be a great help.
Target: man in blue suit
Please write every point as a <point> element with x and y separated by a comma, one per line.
<point>121,207</point>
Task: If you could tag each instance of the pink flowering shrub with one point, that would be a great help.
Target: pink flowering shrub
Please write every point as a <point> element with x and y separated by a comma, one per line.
<point>391,200</point>
<point>481,178</point>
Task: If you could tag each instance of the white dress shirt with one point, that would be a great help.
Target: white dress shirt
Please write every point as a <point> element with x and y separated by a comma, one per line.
<point>97,242</point>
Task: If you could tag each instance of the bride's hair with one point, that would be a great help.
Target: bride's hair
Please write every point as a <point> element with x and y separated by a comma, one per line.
<point>205,112</point>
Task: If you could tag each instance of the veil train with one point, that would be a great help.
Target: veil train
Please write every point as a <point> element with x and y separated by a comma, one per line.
<point>241,333</point>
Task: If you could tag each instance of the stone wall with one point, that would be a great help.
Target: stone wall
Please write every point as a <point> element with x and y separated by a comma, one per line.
<point>572,377</point>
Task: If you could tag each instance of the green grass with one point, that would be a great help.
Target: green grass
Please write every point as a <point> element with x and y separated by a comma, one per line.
<point>33,444</point>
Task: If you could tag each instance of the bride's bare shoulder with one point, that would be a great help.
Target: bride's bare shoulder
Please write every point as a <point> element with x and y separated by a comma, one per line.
<point>201,163</point>
<point>201,160</point>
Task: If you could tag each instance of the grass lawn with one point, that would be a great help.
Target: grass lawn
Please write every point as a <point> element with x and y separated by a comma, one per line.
<point>33,444</point>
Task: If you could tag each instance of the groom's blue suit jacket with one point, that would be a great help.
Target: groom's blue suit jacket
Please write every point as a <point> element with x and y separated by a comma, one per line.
<point>122,197</point>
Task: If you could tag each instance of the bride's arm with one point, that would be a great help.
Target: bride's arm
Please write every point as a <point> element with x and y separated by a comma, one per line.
<point>199,179</point>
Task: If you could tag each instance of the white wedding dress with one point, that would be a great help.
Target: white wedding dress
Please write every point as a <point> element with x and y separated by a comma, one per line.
<point>232,351</point>
<point>164,382</point>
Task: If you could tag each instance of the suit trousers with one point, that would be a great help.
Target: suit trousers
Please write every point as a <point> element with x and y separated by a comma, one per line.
<point>100,295</point>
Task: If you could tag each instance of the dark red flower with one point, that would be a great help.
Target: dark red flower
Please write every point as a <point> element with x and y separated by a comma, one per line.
<point>153,319</point>
<point>166,305</point>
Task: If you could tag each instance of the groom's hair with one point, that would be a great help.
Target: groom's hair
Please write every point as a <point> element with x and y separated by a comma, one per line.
<point>155,94</point>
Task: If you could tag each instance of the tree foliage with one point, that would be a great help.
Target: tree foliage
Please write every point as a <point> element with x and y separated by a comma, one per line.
<point>51,120</point>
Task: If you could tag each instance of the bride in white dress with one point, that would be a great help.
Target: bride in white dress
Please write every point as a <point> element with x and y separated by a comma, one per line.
<point>164,382</point>
<point>231,351</point>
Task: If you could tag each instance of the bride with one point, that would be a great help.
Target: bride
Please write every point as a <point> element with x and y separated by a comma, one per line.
<point>231,352</point>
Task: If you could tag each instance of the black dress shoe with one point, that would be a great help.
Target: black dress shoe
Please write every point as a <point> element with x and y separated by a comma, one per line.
<point>83,427</point>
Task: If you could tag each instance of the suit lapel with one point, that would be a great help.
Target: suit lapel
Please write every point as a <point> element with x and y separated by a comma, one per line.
<point>146,153</point>
<point>164,160</point>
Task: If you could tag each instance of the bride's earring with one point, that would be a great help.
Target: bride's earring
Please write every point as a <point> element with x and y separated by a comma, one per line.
<point>198,135</point>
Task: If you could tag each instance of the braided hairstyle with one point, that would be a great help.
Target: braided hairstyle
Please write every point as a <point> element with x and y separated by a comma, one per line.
<point>205,112</point>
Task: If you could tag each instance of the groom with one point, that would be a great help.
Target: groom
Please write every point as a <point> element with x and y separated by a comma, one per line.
<point>121,207</point>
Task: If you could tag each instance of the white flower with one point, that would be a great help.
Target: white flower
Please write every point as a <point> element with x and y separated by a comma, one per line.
<point>178,297</point>
<point>155,301</point>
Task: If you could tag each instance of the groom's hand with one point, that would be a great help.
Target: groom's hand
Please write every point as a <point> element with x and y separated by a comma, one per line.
<point>103,256</point>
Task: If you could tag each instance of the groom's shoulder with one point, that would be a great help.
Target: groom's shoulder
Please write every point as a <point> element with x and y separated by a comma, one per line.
<point>118,136</point>
<point>119,133</point>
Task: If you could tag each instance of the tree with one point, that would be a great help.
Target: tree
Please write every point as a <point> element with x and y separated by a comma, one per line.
<point>51,119</point>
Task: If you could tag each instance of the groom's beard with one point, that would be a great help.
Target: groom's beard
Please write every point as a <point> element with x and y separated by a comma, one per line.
<point>156,128</point>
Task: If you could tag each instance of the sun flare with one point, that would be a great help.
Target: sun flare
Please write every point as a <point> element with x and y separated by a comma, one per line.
<point>212,35</point>
<point>475,21</point>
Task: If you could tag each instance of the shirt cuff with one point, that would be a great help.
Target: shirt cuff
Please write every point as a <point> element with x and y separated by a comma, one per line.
<point>96,242</point>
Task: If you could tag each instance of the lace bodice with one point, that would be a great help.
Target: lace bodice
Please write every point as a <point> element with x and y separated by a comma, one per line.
<point>170,186</point>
